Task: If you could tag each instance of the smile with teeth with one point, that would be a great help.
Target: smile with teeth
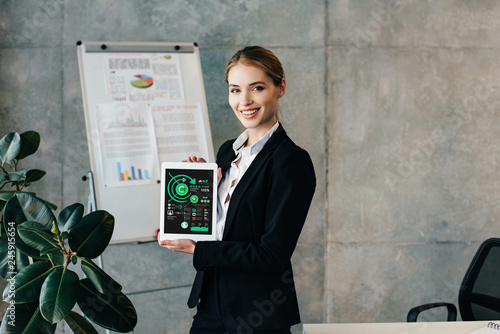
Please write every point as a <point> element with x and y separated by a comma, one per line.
<point>249,111</point>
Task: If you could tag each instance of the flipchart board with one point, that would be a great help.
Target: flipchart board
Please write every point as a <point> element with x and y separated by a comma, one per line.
<point>144,104</point>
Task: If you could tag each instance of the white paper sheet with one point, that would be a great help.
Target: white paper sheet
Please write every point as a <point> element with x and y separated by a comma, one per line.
<point>144,77</point>
<point>180,131</point>
<point>127,144</point>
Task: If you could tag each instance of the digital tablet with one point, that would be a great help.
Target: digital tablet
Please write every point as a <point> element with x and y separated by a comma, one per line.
<point>188,201</point>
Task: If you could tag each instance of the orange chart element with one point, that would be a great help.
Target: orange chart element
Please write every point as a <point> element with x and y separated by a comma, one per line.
<point>141,81</point>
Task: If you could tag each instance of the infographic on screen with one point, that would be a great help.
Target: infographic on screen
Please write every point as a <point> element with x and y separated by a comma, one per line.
<point>188,201</point>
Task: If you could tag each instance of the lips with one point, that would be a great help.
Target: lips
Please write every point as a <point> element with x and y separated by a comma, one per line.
<point>249,113</point>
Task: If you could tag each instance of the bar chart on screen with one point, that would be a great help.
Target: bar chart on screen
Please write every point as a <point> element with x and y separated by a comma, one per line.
<point>133,174</point>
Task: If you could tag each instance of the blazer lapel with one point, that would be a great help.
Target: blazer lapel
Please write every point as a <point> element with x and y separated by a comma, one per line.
<point>250,174</point>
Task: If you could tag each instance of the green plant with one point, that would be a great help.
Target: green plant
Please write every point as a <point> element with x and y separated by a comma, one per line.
<point>37,251</point>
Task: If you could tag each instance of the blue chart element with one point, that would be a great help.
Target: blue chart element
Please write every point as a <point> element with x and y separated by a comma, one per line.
<point>120,174</point>
<point>126,176</point>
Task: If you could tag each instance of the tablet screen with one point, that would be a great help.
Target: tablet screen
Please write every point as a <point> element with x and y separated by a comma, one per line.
<point>188,201</point>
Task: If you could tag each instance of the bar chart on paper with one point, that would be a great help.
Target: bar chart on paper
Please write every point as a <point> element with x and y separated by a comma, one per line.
<point>133,174</point>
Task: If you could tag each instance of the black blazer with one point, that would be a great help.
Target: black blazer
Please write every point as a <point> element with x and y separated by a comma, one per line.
<point>265,217</point>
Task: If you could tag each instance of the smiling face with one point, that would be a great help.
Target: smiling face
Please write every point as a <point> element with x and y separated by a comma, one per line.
<point>254,98</point>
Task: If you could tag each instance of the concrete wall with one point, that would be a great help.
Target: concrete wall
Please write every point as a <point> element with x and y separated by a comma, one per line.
<point>413,158</point>
<point>395,100</point>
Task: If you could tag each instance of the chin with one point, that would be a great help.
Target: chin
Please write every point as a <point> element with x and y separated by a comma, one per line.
<point>246,121</point>
<point>248,125</point>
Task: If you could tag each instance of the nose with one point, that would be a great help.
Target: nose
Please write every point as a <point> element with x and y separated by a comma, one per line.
<point>246,98</point>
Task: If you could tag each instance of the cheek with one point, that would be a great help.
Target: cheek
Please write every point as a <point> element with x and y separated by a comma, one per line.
<point>232,102</point>
<point>269,101</point>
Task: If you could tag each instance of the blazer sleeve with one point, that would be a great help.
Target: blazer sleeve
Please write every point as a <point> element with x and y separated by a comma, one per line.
<point>292,188</point>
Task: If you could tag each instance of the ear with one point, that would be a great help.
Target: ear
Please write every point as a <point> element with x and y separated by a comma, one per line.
<point>282,88</point>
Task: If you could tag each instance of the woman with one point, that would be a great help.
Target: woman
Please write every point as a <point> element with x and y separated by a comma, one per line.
<point>244,281</point>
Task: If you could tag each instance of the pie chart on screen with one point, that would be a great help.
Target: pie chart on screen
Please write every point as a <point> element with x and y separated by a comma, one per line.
<point>141,81</point>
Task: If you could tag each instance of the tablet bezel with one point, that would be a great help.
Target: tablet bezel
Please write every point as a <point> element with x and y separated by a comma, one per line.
<point>188,166</point>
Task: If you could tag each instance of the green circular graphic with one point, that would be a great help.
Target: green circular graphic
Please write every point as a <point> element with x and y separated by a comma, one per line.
<point>178,188</point>
<point>182,189</point>
<point>184,225</point>
<point>194,199</point>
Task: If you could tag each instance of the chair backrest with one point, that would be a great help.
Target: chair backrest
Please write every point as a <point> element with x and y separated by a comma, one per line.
<point>479,295</point>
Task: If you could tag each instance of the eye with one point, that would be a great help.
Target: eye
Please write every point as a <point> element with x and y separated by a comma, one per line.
<point>234,90</point>
<point>258,88</point>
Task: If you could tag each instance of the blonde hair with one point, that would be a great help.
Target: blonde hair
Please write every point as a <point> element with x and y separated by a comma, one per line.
<point>261,58</point>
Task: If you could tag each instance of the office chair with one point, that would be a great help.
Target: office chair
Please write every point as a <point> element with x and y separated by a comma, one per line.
<point>479,294</point>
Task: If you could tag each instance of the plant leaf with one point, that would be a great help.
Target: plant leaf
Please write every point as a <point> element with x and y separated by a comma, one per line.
<point>10,264</point>
<point>111,311</point>
<point>10,145</point>
<point>28,283</point>
<point>34,175</point>
<point>59,294</point>
<point>26,206</point>
<point>51,206</point>
<point>102,281</point>
<point>16,176</point>
<point>37,236</point>
<point>22,248</point>
<point>58,258</point>
<point>79,324</point>
<point>28,320</point>
<point>90,237</point>
<point>69,217</point>
<point>29,251</point>
<point>4,197</point>
<point>30,141</point>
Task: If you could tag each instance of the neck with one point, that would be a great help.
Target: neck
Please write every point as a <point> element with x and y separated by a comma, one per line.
<point>255,134</point>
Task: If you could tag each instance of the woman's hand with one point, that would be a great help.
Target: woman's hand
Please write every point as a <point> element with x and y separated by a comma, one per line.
<point>195,159</point>
<point>181,245</point>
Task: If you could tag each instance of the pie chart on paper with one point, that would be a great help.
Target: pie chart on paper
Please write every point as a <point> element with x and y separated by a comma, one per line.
<point>141,81</point>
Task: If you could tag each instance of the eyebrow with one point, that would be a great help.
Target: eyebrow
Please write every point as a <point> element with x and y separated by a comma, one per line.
<point>252,84</point>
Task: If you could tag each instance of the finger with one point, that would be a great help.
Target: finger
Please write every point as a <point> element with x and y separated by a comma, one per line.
<point>165,243</point>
